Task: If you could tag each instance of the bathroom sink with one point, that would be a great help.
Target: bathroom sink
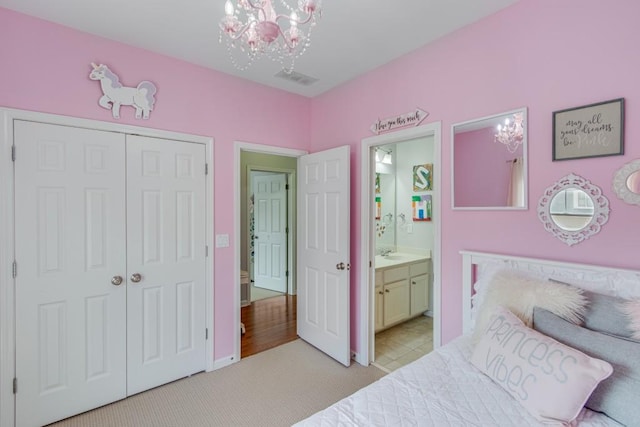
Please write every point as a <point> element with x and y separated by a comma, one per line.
<point>395,257</point>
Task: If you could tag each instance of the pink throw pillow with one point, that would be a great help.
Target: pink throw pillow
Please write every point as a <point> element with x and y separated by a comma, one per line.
<point>552,381</point>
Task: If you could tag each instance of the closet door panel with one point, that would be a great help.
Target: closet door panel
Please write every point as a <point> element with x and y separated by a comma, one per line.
<point>166,247</point>
<point>70,243</point>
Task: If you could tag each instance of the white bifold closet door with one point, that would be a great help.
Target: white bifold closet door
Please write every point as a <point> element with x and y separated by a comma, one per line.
<point>166,247</point>
<point>92,209</point>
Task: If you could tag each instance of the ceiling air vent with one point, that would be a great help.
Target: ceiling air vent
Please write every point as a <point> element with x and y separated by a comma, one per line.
<point>296,77</point>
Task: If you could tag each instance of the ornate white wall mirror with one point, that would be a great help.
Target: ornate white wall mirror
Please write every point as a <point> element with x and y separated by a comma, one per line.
<point>573,209</point>
<point>489,162</point>
<point>626,182</point>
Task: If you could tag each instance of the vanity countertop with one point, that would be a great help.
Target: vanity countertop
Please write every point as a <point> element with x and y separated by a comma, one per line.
<point>398,258</point>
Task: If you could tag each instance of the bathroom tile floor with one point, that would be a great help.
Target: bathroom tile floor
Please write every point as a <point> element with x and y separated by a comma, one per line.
<point>404,343</point>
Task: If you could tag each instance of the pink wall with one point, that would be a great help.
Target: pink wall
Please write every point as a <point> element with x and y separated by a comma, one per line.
<point>543,54</point>
<point>482,169</point>
<point>546,55</point>
<point>45,68</point>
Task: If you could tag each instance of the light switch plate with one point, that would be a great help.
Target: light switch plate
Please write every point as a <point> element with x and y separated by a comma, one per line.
<point>222,240</point>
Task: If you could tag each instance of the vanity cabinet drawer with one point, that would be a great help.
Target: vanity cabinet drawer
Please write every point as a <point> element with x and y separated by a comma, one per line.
<point>395,274</point>
<point>419,268</point>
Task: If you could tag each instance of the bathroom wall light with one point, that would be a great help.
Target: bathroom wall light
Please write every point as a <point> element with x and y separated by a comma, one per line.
<point>387,158</point>
<point>383,156</point>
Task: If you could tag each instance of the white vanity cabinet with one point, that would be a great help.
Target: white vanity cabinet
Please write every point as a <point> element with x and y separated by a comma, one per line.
<point>420,277</point>
<point>401,292</point>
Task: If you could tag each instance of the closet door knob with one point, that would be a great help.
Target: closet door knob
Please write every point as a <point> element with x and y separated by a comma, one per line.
<point>116,280</point>
<point>136,277</point>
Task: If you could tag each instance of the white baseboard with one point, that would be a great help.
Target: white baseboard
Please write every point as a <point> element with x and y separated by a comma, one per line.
<point>224,362</point>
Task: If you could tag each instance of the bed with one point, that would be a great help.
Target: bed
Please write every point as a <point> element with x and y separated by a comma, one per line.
<point>444,388</point>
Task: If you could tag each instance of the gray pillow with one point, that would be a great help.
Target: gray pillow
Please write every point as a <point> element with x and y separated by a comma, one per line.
<point>617,396</point>
<point>604,315</point>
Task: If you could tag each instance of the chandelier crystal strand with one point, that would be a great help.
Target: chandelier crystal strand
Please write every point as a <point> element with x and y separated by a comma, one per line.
<point>254,28</point>
<point>512,133</point>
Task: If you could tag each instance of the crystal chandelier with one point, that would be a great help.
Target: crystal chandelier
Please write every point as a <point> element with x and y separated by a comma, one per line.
<point>512,133</point>
<point>255,28</point>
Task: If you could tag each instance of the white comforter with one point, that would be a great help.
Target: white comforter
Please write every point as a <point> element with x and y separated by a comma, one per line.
<point>440,389</point>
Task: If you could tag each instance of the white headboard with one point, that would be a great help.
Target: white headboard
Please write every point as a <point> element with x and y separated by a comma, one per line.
<point>607,280</point>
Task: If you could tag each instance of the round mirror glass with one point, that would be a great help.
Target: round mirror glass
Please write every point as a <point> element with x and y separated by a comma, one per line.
<point>571,209</point>
<point>633,182</point>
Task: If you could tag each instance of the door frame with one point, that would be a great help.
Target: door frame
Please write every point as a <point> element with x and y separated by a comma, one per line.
<point>238,147</point>
<point>7,246</point>
<point>366,337</point>
<point>290,177</point>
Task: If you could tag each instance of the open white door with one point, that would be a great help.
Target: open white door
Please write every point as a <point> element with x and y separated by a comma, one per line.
<point>270,235</point>
<point>323,251</point>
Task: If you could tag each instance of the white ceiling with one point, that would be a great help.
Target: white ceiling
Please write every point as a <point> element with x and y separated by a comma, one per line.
<point>352,37</point>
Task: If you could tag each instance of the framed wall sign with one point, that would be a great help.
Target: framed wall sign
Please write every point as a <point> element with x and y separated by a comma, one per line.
<point>589,131</point>
<point>423,177</point>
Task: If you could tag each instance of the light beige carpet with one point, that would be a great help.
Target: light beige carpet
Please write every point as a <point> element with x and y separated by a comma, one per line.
<point>277,387</point>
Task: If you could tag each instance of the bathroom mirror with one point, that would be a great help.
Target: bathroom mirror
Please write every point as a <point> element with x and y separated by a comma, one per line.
<point>626,182</point>
<point>385,194</point>
<point>573,209</point>
<point>489,162</point>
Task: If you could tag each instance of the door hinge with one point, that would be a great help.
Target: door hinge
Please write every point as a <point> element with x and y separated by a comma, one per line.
<point>286,230</point>
<point>206,168</point>
<point>15,385</point>
<point>286,187</point>
<point>287,273</point>
<point>13,153</point>
<point>15,269</point>
<point>206,334</point>
<point>206,251</point>
<point>370,264</point>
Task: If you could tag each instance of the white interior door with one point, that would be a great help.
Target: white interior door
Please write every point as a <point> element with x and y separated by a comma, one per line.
<point>70,236</point>
<point>270,236</point>
<point>323,251</point>
<point>166,248</point>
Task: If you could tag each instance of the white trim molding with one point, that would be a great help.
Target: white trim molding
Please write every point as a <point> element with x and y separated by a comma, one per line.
<point>238,148</point>
<point>367,255</point>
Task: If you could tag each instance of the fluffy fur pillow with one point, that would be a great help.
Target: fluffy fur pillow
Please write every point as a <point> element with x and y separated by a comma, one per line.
<point>632,310</point>
<point>520,293</point>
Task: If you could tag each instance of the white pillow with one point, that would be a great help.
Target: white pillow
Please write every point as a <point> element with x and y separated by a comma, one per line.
<point>520,292</point>
<point>485,275</point>
<point>550,380</point>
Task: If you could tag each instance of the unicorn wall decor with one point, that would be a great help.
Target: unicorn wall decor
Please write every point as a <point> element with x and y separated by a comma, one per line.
<point>115,94</point>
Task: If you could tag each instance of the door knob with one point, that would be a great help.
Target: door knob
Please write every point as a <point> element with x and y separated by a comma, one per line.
<point>116,280</point>
<point>136,277</point>
<point>340,266</point>
<point>255,237</point>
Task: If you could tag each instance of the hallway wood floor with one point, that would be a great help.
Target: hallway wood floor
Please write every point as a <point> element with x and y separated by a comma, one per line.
<point>268,323</point>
